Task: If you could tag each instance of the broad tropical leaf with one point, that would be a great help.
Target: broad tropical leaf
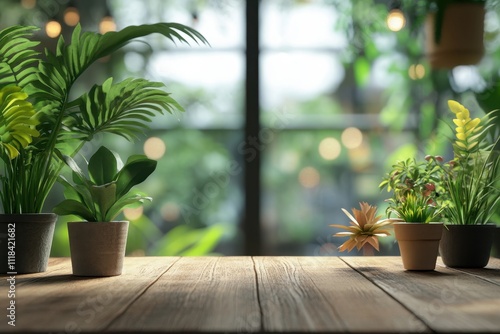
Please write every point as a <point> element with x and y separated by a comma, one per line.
<point>103,166</point>
<point>122,203</point>
<point>136,170</point>
<point>17,122</point>
<point>72,207</point>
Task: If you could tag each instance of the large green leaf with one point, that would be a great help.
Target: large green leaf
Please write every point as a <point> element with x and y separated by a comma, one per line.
<point>103,166</point>
<point>17,122</point>
<point>72,207</point>
<point>104,197</point>
<point>123,202</point>
<point>135,171</point>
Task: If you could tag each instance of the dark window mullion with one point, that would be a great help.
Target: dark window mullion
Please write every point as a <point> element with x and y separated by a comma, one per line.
<point>251,219</point>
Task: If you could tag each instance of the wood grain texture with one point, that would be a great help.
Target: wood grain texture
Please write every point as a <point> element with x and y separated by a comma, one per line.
<point>447,300</point>
<point>322,294</point>
<point>210,294</point>
<point>259,294</point>
<point>489,273</point>
<point>57,301</point>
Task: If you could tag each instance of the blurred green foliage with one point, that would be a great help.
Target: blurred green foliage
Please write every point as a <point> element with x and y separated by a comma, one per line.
<point>397,113</point>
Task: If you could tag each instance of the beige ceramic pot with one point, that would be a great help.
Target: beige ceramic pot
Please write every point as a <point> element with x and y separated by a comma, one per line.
<point>418,244</point>
<point>97,249</point>
<point>461,41</point>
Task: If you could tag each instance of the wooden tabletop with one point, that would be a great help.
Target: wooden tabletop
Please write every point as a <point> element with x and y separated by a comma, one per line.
<point>257,294</point>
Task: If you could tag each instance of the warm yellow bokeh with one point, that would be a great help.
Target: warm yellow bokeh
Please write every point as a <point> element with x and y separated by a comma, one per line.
<point>329,148</point>
<point>154,148</point>
<point>396,20</point>
<point>71,16</point>
<point>352,137</point>
<point>53,29</point>
<point>309,177</point>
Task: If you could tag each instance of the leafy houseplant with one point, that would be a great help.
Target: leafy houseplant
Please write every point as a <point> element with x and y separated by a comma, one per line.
<point>472,183</point>
<point>417,190</point>
<point>416,200</point>
<point>32,138</point>
<point>104,193</point>
<point>98,245</point>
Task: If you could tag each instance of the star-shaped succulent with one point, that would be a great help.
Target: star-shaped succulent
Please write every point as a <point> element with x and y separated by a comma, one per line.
<point>364,230</point>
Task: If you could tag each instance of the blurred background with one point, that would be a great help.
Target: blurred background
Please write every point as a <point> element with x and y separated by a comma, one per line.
<point>296,110</point>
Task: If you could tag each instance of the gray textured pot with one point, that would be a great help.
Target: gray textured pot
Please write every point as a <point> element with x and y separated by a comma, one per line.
<point>467,246</point>
<point>97,249</point>
<point>32,234</point>
<point>418,244</point>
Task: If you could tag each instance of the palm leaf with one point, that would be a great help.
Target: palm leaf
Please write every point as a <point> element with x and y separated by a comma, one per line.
<point>17,56</point>
<point>123,108</point>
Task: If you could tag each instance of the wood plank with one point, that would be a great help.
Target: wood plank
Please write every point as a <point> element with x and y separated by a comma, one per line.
<point>209,294</point>
<point>57,265</point>
<point>61,302</point>
<point>445,299</point>
<point>489,273</point>
<point>323,294</point>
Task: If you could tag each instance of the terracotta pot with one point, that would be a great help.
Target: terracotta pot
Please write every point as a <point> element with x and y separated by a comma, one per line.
<point>461,41</point>
<point>418,244</point>
<point>32,241</point>
<point>467,246</point>
<point>97,249</point>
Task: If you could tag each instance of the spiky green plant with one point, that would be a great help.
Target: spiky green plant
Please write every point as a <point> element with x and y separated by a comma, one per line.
<point>473,176</point>
<point>64,125</point>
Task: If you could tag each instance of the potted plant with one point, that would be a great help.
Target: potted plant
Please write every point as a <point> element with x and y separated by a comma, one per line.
<point>364,230</point>
<point>454,32</point>
<point>32,136</point>
<point>416,202</point>
<point>472,184</point>
<point>98,243</point>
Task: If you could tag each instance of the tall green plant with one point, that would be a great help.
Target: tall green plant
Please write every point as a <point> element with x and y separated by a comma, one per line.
<point>473,175</point>
<point>64,125</point>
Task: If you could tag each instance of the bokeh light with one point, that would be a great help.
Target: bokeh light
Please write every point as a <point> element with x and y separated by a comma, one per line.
<point>416,71</point>
<point>53,29</point>
<point>329,148</point>
<point>396,20</point>
<point>133,213</point>
<point>28,4</point>
<point>170,211</point>
<point>71,16</point>
<point>154,148</point>
<point>107,24</point>
<point>352,137</point>
<point>309,177</point>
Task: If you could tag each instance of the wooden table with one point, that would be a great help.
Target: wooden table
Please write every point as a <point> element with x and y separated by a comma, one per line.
<point>258,294</point>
